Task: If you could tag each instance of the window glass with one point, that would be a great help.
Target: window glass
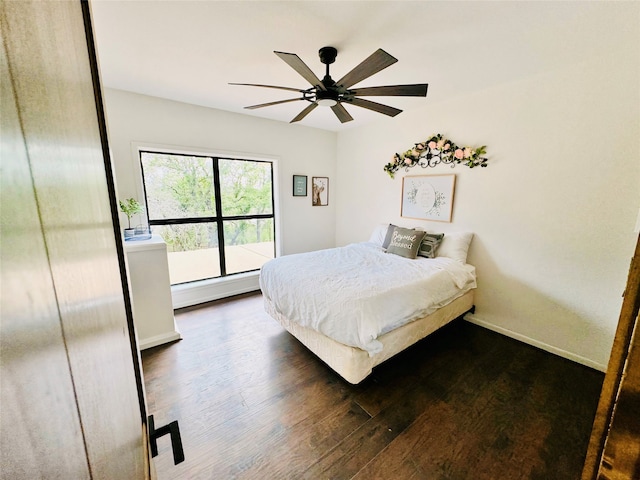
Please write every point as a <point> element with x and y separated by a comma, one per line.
<point>248,244</point>
<point>245,187</point>
<point>178,186</point>
<point>192,251</point>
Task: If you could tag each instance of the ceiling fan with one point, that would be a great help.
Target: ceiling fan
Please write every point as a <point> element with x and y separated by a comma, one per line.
<point>327,92</point>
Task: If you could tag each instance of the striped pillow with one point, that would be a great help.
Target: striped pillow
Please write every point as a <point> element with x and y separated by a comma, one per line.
<point>430,244</point>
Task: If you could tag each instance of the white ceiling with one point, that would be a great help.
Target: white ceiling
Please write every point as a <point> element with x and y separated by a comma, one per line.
<point>190,50</point>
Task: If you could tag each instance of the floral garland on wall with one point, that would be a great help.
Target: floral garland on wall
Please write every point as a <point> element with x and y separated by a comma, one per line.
<point>434,151</point>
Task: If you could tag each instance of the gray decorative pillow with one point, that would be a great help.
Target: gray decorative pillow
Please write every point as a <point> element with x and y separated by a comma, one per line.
<point>430,244</point>
<point>405,242</point>
<point>387,238</point>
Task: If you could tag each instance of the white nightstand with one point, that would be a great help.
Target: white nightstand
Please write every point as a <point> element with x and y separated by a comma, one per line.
<point>151,292</point>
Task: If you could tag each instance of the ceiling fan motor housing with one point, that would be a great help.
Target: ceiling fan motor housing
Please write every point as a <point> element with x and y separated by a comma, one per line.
<point>328,55</point>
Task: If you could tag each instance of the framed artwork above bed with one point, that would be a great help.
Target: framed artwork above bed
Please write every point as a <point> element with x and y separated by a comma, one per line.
<point>428,197</point>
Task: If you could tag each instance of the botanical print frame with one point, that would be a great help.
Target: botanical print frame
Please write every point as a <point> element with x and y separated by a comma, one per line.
<point>299,185</point>
<point>319,191</point>
<point>428,197</point>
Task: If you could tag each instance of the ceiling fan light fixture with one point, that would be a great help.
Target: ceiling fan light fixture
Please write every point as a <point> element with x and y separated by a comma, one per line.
<point>327,102</point>
<point>327,98</point>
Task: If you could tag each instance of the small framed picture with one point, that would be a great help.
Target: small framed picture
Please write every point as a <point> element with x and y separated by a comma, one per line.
<point>319,191</point>
<point>299,185</point>
<point>428,197</point>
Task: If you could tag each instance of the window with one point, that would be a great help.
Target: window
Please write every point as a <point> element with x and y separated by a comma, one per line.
<point>215,214</point>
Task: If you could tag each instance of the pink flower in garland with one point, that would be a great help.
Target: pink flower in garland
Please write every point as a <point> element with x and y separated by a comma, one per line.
<point>446,147</point>
<point>459,154</point>
<point>432,145</point>
<point>407,161</point>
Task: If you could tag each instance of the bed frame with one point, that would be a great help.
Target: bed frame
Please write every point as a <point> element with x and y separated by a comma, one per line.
<point>354,364</point>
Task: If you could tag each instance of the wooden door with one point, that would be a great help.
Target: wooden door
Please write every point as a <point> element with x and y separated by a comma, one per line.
<point>71,398</point>
<point>614,447</point>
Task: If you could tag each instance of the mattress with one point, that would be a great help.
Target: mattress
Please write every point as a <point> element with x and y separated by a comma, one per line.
<point>357,293</point>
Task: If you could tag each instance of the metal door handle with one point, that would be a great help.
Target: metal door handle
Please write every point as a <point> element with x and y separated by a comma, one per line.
<point>176,442</point>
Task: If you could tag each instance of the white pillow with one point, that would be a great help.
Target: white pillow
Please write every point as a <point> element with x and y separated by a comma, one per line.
<point>379,233</point>
<point>455,246</point>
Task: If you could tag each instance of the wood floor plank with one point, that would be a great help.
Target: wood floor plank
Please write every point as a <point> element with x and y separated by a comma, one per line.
<point>506,428</point>
<point>372,435</point>
<point>465,403</point>
<point>437,359</point>
<point>288,455</point>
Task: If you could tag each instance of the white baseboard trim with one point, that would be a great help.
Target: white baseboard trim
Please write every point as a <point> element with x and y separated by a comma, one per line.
<point>536,343</point>
<point>189,294</point>
<point>159,340</point>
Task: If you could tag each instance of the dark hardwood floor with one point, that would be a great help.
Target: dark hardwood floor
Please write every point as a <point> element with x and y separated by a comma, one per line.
<point>464,403</point>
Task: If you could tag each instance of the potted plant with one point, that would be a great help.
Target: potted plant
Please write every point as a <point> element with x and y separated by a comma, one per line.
<point>130,207</point>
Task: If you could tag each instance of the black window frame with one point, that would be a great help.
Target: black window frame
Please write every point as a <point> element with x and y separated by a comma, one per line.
<point>218,219</point>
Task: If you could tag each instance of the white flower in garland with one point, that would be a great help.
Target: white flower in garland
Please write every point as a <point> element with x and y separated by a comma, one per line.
<point>434,151</point>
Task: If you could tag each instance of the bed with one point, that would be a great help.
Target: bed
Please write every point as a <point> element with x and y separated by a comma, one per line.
<point>356,306</point>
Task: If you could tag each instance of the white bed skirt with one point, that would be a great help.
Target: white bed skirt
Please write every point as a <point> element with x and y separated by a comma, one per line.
<point>354,364</point>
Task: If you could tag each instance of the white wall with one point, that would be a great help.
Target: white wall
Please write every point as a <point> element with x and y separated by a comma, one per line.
<point>554,211</point>
<point>134,118</point>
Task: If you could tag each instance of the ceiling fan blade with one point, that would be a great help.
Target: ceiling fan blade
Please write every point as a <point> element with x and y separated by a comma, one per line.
<point>253,107</point>
<point>304,112</point>
<point>416,90</point>
<point>341,113</point>
<point>299,66</point>
<point>376,107</point>
<point>269,86</point>
<point>378,60</point>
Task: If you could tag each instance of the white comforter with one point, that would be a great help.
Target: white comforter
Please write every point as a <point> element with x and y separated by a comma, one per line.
<point>356,293</point>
